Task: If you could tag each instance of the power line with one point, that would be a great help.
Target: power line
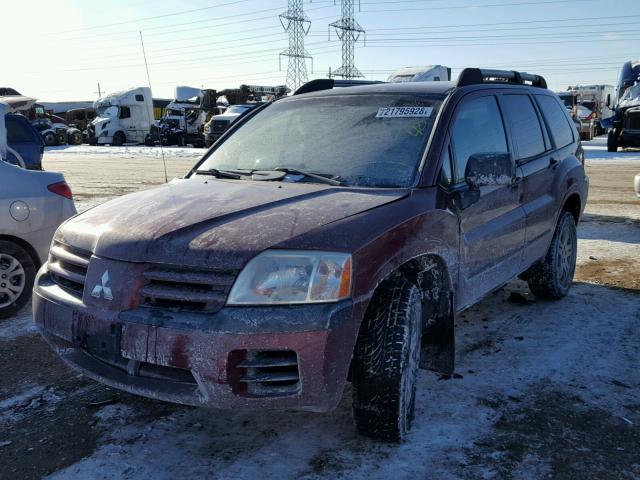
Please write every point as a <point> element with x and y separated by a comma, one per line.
<point>173,14</point>
<point>486,5</point>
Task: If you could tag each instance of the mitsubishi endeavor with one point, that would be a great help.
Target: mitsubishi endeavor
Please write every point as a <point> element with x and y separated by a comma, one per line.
<point>327,237</point>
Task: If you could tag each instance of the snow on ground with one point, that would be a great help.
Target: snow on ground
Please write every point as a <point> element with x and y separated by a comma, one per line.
<point>127,151</point>
<point>596,150</point>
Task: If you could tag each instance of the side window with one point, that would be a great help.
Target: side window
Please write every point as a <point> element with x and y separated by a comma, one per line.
<point>125,112</point>
<point>524,125</point>
<point>17,131</point>
<point>446,173</point>
<point>557,122</point>
<point>139,98</point>
<point>477,128</point>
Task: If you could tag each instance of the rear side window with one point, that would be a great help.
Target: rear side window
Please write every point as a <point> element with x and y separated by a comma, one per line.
<point>139,98</point>
<point>17,131</point>
<point>559,127</point>
<point>478,128</point>
<point>524,125</point>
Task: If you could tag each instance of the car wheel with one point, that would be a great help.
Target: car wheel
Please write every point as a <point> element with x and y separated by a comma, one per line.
<point>49,139</point>
<point>118,139</point>
<point>386,361</point>
<point>17,273</point>
<point>75,138</point>
<point>612,141</point>
<point>553,276</point>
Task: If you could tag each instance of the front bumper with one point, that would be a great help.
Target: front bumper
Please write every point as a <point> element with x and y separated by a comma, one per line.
<point>629,138</point>
<point>197,358</point>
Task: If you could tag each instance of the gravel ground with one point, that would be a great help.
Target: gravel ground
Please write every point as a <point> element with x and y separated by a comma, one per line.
<point>544,389</point>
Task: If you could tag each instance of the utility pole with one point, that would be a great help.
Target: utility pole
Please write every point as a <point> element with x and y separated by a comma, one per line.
<point>297,24</point>
<point>99,92</point>
<point>348,31</point>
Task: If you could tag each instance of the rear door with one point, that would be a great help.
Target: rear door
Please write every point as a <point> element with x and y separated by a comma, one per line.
<point>534,155</point>
<point>492,228</point>
<point>25,142</point>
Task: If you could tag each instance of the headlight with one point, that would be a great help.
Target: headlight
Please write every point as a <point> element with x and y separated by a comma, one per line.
<point>289,276</point>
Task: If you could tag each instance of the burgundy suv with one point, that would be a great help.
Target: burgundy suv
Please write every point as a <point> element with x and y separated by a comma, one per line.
<point>331,236</point>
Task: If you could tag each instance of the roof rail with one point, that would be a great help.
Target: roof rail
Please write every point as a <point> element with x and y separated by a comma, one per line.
<point>474,76</point>
<point>329,83</point>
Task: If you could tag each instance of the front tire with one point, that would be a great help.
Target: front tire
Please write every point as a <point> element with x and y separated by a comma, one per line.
<point>17,273</point>
<point>386,362</point>
<point>552,277</point>
<point>612,141</point>
<point>118,139</point>
<point>49,139</point>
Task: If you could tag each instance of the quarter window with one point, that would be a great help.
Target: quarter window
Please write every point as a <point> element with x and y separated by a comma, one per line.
<point>524,125</point>
<point>478,128</point>
<point>17,131</point>
<point>557,122</point>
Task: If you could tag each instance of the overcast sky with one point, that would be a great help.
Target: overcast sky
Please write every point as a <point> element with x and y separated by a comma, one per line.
<point>60,50</point>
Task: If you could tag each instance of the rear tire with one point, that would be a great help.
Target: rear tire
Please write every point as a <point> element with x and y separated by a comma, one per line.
<point>612,141</point>
<point>17,273</point>
<point>552,277</point>
<point>75,138</point>
<point>386,362</point>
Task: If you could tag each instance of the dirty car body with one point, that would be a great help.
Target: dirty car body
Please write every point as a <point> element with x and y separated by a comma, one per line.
<point>246,283</point>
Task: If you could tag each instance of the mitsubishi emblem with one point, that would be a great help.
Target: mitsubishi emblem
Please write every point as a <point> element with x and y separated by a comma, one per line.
<point>102,289</point>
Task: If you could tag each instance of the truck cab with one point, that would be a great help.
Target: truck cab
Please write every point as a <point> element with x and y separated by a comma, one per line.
<point>625,123</point>
<point>122,117</point>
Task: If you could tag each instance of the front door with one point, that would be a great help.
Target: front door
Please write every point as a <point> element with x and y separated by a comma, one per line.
<point>492,227</point>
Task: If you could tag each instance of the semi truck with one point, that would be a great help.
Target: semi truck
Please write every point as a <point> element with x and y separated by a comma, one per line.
<point>424,73</point>
<point>625,123</point>
<point>122,117</point>
<point>239,101</point>
<point>184,118</point>
<point>588,105</point>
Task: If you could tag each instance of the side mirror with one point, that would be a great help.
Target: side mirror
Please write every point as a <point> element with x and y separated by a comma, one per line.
<point>609,100</point>
<point>489,169</point>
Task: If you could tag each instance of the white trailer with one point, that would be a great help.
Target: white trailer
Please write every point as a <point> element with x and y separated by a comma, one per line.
<point>425,73</point>
<point>122,117</point>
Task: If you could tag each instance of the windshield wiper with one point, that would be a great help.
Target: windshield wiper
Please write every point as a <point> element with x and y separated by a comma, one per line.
<point>219,173</point>
<point>315,176</point>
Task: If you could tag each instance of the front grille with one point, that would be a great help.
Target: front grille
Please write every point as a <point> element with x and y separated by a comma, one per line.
<point>264,373</point>
<point>633,120</point>
<point>68,267</point>
<point>182,288</point>
<point>219,126</point>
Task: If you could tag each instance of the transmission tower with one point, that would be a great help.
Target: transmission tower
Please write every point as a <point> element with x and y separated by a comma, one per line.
<point>297,24</point>
<point>349,32</point>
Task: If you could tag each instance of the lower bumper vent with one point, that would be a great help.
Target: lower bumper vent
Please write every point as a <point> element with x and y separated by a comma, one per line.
<point>264,373</point>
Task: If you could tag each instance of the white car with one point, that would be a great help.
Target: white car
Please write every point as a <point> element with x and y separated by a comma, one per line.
<point>32,206</point>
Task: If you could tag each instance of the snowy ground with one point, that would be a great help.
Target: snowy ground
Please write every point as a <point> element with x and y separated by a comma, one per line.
<point>546,389</point>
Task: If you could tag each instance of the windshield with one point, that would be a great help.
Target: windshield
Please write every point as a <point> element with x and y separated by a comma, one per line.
<point>372,140</point>
<point>107,111</point>
<point>237,109</point>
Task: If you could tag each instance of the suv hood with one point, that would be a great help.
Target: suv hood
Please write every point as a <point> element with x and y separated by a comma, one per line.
<point>212,223</point>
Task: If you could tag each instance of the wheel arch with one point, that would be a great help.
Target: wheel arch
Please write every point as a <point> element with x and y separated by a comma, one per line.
<point>573,205</point>
<point>432,275</point>
<point>24,244</point>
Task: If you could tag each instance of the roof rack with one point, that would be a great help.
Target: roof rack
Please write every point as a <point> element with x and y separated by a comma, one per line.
<point>329,83</point>
<point>474,76</point>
